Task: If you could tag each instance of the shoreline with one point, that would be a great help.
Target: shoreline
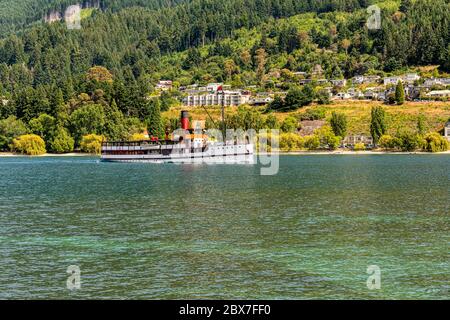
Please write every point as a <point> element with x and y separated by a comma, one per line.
<point>284,153</point>
<point>347,152</point>
<point>72,154</point>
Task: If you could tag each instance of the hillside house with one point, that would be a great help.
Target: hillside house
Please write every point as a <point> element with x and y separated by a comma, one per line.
<point>351,140</point>
<point>439,94</point>
<point>164,85</point>
<point>339,82</point>
<point>392,81</point>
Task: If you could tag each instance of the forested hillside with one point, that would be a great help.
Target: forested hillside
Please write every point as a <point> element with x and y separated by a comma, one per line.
<point>17,15</point>
<point>47,69</point>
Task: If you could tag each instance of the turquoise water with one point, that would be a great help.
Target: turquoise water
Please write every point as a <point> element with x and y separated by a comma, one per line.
<point>156,231</point>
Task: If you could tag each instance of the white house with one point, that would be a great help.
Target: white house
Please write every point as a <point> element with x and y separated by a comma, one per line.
<point>342,96</point>
<point>365,79</point>
<point>439,94</point>
<point>258,101</point>
<point>392,80</point>
<point>164,85</point>
<point>447,131</point>
<point>339,82</point>
<point>411,77</point>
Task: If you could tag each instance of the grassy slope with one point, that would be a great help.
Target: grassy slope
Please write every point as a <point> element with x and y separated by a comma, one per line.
<point>358,114</point>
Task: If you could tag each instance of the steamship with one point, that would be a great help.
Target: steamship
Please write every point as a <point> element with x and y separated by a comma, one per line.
<point>189,147</point>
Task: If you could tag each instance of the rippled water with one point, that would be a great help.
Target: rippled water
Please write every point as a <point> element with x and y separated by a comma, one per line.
<point>154,231</point>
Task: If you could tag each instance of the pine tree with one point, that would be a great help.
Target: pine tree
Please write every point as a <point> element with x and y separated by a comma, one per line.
<point>377,124</point>
<point>399,93</point>
<point>339,124</point>
<point>153,120</point>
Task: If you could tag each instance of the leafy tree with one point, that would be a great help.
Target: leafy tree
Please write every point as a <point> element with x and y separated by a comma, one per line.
<point>29,144</point>
<point>10,128</point>
<point>44,126</point>
<point>339,124</point>
<point>290,124</point>
<point>272,122</point>
<point>377,123</point>
<point>323,97</point>
<point>86,120</point>
<point>297,98</point>
<point>386,142</point>
<point>99,74</point>
<point>276,104</point>
<point>62,141</point>
<point>312,142</point>
<point>92,143</point>
<point>409,141</point>
<point>421,126</point>
<point>193,59</point>
<point>327,138</point>
<point>436,143</point>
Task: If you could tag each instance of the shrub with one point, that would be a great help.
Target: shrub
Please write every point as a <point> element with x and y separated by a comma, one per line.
<point>313,114</point>
<point>290,124</point>
<point>138,137</point>
<point>291,142</point>
<point>327,138</point>
<point>312,142</point>
<point>62,142</point>
<point>29,144</point>
<point>339,124</point>
<point>408,141</point>
<point>360,147</point>
<point>92,143</point>
<point>434,142</point>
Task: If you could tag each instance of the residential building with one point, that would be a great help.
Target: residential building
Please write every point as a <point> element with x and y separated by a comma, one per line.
<point>411,78</point>
<point>228,98</point>
<point>352,140</point>
<point>339,82</point>
<point>370,94</point>
<point>439,94</point>
<point>260,101</point>
<point>365,79</point>
<point>300,74</point>
<point>354,93</point>
<point>392,80</point>
<point>342,96</point>
<point>436,82</point>
<point>305,81</point>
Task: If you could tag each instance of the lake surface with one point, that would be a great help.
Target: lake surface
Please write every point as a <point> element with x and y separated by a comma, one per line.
<point>160,231</point>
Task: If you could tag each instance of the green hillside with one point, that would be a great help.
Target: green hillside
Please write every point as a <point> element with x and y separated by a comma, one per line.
<point>18,15</point>
<point>47,69</point>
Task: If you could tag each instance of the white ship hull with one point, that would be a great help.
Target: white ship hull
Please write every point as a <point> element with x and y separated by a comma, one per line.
<point>179,153</point>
